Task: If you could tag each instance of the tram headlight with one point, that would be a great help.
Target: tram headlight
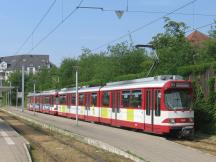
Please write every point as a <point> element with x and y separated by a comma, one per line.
<point>172,121</point>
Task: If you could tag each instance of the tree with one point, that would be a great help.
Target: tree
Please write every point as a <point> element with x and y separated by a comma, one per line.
<point>66,72</point>
<point>172,47</point>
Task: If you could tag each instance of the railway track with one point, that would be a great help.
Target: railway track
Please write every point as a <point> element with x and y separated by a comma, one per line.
<point>56,148</point>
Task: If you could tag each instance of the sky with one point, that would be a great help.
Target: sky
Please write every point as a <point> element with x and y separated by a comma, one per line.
<point>90,28</point>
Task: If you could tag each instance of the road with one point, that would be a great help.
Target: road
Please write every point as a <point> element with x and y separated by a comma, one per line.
<point>11,145</point>
<point>149,147</point>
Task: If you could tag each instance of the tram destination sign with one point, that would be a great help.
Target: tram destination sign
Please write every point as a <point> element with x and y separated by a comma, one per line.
<point>183,85</point>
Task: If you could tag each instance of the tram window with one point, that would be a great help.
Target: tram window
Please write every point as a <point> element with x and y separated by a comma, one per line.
<point>94,99</point>
<point>73,99</point>
<point>136,99</point>
<point>106,98</point>
<point>46,100</point>
<point>157,103</point>
<point>81,99</point>
<point>125,98</point>
<point>68,99</point>
<point>29,100</point>
<point>56,100</point>
<point>62,99</point>
<point>148,102</point>
<point>52,100</point>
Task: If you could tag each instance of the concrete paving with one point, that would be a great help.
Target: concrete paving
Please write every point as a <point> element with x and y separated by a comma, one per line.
<point>149,147</point>
<point>12,145</point>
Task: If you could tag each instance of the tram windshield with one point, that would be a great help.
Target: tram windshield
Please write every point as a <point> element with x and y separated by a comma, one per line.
<point>178,99</point>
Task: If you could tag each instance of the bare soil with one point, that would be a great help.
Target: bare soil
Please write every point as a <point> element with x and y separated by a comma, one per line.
<point>203,142</point>
<point>51,147</point>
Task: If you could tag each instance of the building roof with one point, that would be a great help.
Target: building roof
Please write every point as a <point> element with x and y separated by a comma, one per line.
<point>17,61</point>
<point>196,37</point>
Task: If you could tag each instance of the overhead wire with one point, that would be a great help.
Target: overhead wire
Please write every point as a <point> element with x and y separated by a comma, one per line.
<point>145,25</point>
<point>36,26</point>
<point>56,27</point>
<point>200,27</point>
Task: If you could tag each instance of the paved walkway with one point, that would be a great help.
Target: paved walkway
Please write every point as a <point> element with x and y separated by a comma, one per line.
<point>149,147</point>
<point>11,145</point>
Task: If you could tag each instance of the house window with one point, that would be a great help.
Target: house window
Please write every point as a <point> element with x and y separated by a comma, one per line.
<point>31,70</point>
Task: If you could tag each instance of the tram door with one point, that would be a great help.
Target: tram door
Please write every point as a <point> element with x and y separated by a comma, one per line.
<point>87,106</point>
<point>149,114</point>
<point>115,106</point>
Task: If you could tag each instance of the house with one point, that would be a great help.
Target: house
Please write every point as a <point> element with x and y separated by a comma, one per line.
<point>197,37</point>
<point>31,63</point>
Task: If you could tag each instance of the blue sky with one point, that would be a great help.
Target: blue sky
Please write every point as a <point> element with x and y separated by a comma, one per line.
<point>89,28</point>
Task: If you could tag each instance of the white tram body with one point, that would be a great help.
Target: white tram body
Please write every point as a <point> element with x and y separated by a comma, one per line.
<point>159,105</point>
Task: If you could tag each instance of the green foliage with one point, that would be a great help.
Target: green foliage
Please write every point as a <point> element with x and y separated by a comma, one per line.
<point>196,69</point>
<point>172,48</point>
<point>204,112</point>
<point>212,32</point>
<point>67,72</point>
<point>212,93</point>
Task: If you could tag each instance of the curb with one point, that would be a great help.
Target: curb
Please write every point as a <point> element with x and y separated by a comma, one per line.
<point>27,149</point>
<point>90,141</point>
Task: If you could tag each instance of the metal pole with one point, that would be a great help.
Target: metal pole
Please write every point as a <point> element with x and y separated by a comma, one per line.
<point>10,95</point>
<point>23,88</point>
<point>76,96</point>
<point>16,97</point>
<point>6,99</point>
<point>34,98</point>
<point>1,94</point>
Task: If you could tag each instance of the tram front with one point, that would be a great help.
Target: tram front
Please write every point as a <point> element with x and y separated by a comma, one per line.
<point>178,105</point>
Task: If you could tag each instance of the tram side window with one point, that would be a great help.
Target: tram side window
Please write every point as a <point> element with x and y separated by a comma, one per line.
<point>62,99</point>
<point>94,99</point>
<point>157,103</point>
<point>52,100</point>
<point>73,99</point>
<point>148,102</point>
<point>136,99</point>
<point>68,99</point>
<point>56,100</point>
<point>81,99</point>
<point>47,100</point>
<point>106,98</point>
<point>125,98</point>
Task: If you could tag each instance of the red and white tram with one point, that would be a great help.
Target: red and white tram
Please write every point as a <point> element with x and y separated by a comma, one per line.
<point>159,105</point>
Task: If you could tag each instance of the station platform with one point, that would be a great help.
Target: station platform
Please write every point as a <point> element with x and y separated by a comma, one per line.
<point>12,145</point>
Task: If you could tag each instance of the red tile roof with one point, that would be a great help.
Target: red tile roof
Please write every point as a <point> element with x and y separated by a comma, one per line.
<point>197,37</point>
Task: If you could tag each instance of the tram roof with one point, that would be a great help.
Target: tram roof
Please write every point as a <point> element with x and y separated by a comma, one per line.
<point>82,89</point>
<point>51,92</point>
<point>135,85</point>
<point>157,81</point>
